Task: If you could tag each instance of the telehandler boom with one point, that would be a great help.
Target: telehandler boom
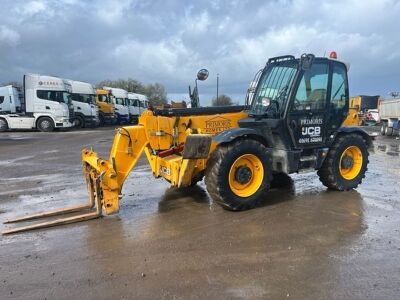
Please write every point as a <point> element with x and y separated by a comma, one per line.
<point>292,124</point>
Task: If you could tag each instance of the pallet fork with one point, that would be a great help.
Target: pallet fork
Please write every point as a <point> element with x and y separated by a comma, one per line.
<point>89,211</point>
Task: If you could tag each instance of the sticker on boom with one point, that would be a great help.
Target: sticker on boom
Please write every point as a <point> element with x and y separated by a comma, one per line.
<point>216,125</point>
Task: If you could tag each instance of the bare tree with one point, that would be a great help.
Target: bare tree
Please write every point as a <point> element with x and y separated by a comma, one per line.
<point>223,100</point>
<point>156,93</point>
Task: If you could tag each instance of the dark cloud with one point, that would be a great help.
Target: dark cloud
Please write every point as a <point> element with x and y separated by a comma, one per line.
<point>168,41</point>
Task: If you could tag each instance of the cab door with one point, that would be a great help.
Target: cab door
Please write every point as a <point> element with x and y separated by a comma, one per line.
<point>307,112</point>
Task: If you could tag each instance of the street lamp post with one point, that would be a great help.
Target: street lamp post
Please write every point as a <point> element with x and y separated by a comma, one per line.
<point>217,85</point>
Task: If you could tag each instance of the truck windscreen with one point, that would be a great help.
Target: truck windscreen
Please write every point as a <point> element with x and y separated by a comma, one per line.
<point>57,96</point>
<point>85,98</point>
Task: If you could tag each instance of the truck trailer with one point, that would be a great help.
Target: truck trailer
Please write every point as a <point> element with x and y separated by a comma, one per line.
<point>389,115</point>
<point>47,105</point>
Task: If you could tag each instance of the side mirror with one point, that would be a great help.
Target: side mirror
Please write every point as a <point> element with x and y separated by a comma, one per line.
<point>202,74</point>
<point>306,61</point>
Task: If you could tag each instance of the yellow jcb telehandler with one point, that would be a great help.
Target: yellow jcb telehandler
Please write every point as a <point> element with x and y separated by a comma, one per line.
<point>290,123</point>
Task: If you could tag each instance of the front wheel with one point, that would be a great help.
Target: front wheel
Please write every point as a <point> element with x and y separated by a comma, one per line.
<point>3,125</point>
<point>45,124</point>
<point>238,174</point>
<point>346,163</point>
<point>79,122</point>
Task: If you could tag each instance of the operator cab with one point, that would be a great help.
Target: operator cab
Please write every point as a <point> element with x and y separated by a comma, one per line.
<point>300,102</point>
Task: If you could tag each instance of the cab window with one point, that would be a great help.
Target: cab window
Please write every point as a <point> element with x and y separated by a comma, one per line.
<point>339,87</point>
<point>312,90</point>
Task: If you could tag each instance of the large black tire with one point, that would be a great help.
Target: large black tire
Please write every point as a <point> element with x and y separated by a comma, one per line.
<point>45,124</point>
<point>79,122</point>
<point>101,120</point>
<point>219,167</point>
<point>383,128</point>
<point>388,131</point>
<point>3,125</point>
<point>330,174</point>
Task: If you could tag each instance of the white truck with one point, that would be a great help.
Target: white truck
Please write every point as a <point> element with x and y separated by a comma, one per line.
<point>10,100</point>
<point>144,102</point>
<point>135,107</point>
<point>47,105</point>
<point>86,112</point>
<point>120,101</point>
<point>389,115</point>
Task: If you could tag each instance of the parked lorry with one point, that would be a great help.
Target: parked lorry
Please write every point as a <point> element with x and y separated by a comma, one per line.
<point>47,105</point>
<point>86,112</point>
<point>106,107</point>
<point>134,107</point>
<point>144,102</point>
<point>389,115</point>
<point>119,98</point>
<point>10,100</point>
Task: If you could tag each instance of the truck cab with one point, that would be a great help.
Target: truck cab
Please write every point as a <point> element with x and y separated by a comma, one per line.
<point>86,112</point>
<point>47,105</point>
<point>119,98</point>
<point>144,102</point>
<point>134,107</point>
<point>106,107</point>
<point>10,99</point>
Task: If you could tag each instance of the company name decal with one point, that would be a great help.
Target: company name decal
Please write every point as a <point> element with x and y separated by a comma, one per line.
<point>216,125</point>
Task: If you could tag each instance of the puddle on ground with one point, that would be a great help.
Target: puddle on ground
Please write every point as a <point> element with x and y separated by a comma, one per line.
<point>389,149</point>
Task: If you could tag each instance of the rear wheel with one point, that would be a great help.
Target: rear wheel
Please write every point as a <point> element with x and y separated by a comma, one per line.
<point>388,130</point>
<point>346,163</point>
<point>238,174</point>
<point>45,124</point>
<point>383,128</point>
<point>3,125</point>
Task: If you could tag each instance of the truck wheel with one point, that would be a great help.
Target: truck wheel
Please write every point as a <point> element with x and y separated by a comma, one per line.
<point>383,128</point>
<point>79,122</point>
<point>45,124</point>
<point>388,130</point>
<point>3,125</point>
<point>346,163</point>
<point>238,174</point>
<point>101,120</point>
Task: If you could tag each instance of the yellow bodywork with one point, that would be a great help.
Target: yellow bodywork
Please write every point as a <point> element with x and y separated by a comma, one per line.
<point>162,139</point>
<point>354,117</point>
<point>104,107</point>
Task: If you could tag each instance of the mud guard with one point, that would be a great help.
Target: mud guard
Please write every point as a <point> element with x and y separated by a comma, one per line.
<point>363,133</point>
<point>234,133</point>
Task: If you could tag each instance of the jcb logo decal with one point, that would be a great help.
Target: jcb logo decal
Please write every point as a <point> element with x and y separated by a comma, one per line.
<point>165,170</point>
<point>311,131</point>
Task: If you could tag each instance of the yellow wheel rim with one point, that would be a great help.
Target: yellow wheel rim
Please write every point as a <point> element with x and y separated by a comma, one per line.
<point>350,163</point>
<point>246,175</point>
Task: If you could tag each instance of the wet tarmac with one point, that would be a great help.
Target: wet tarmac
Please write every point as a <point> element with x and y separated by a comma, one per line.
<point>304,242</point>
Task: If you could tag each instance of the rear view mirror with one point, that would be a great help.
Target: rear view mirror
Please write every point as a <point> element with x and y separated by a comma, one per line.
<point>306,61</point>
<point>202,74</point>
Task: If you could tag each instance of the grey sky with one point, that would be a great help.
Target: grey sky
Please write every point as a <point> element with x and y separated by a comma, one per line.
<point>168,41</point>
